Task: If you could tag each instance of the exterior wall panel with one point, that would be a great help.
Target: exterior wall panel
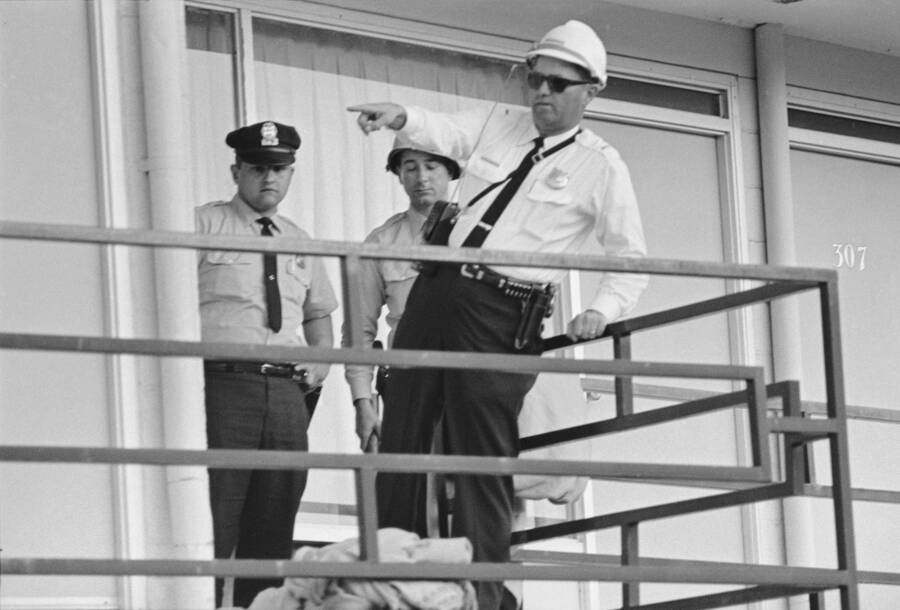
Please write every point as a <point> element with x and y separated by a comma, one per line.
<point>837,69</point>
<point>48,168</point>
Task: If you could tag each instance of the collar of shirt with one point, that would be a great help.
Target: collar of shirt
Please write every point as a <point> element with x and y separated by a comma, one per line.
<point>415,221</point>
<point>248,215</point>
<point>551,141</point>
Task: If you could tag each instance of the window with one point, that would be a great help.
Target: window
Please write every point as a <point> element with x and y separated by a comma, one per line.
<point>845,126</point>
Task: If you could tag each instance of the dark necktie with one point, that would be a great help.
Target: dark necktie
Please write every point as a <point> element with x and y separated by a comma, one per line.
<point>270,279</point>
<point>514,181</point>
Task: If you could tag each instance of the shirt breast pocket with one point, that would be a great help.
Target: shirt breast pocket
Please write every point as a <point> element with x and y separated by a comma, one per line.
<point>226,274</point>
<point>551,209</point>
<point>297,278</point>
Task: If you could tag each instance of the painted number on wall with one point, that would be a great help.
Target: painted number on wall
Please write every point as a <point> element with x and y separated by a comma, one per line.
<point>849,256</point>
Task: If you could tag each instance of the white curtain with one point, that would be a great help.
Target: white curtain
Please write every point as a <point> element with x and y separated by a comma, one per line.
<point>308,77</point>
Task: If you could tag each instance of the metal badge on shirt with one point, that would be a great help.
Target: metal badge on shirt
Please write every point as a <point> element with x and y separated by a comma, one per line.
<point>295,263</point>
<point>557,179</point>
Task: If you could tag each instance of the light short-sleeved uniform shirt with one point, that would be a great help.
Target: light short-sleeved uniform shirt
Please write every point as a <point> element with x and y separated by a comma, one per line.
<point>581,190</point>
<point>232,294</point>
<point>384,282</point>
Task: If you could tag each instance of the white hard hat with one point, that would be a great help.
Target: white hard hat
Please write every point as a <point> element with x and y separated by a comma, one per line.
<point>576,43</point>
<point>402,144</point>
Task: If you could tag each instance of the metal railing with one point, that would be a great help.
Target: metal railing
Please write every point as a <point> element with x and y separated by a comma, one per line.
<point>745,484</point>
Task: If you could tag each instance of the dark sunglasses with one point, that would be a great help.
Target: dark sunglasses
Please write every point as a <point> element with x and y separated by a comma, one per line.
<point>556,84</point>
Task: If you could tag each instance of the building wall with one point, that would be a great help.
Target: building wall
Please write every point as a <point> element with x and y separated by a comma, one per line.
<point>51,172</point>
<point>48,166</point>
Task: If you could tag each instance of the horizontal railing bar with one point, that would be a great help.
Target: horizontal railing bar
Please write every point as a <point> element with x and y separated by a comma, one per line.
<point>647,390</point>
<point>686,312</point>
<point>526,555</point>
<point>728,598</point>
<point>888,416</point>
<point>870,577</point>
<point>636,420</point>
<point>140,237</point>
<point>711,402</point>
<point>391,357</point>
<point>714,305</point>
<point>720,485</point>
<point>803,426</point>
<point>659,511</point>
<point>858,494</point>
<point>816,491</point>
<point>725,574</point>
<point>664,392</point>
<point>394,462</point>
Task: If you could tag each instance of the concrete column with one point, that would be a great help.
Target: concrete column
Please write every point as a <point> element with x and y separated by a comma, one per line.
<point>163,65</point>
<point>771,84</point>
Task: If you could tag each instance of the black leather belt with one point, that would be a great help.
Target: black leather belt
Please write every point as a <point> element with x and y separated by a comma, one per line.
<point>271,369</point>
<point>506,285</point>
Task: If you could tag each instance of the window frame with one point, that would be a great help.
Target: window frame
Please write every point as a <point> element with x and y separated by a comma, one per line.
<point>844,106</point>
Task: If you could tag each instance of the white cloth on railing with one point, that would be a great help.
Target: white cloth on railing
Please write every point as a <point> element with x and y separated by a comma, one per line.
<point>394,545</point>
<point>555,401</point>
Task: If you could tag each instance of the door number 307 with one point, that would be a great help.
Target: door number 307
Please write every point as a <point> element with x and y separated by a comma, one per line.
<point>849,256</point>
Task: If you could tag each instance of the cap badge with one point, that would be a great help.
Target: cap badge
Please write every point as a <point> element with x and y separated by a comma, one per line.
<point>269,133</point>
<point>557,178</point>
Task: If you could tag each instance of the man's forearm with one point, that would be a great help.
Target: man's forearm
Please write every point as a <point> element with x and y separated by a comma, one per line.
<point>319,332</point>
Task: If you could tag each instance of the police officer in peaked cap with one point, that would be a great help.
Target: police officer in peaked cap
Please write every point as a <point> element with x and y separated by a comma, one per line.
<point>259,299</point>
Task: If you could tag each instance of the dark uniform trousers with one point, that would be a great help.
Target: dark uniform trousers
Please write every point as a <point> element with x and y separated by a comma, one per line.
<point>254,510</point>
<point>449,312</point>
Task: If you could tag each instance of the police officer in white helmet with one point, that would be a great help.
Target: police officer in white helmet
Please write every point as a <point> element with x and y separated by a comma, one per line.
<point>425,177</point>
<point>534,181</point>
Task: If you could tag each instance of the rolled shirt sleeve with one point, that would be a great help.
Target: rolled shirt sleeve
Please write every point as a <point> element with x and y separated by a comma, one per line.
<point>371,299</point>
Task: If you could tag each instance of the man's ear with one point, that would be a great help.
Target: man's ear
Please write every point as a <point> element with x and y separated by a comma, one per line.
<point>234,172</point>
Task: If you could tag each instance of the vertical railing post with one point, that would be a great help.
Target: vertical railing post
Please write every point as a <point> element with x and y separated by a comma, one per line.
<point>840,460</point>
<point>367,514</point>
<point>797,463</point>
<point>631,592</point>
<point>759,427</point>
<point>794,445</point>
<point>350,272</point>
<point>624,386</point>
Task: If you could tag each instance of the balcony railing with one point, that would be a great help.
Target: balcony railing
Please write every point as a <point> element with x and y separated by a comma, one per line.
<point>743,484</point>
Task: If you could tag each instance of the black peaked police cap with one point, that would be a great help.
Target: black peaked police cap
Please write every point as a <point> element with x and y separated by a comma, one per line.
<point>265,143</point>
